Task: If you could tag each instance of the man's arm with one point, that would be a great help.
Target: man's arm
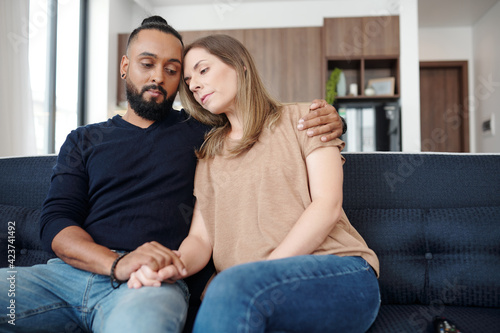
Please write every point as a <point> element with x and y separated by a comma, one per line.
<point>69,245</point>
<point>77,248</point>
<point>65,210</point>
<point>322,120</point>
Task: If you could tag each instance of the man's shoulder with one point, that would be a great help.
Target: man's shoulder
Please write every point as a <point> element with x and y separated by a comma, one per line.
<point>99,125</point>
<point>185,118</point>
<point>89,134</point>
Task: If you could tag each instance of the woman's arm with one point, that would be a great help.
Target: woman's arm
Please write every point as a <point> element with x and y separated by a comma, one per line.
<point>196,249</point>
<point>324,169</point>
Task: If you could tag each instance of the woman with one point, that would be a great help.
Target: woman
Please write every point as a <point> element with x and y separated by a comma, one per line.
<point>269,209</point>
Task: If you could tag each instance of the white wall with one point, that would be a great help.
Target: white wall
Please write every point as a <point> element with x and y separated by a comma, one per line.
<point>445,44</point>
<point>410,76</point>
<point>98,61</point>
<point>124,24</point>
<point>271,14</point>
<point>449,44</point>
<point>486,95</point>
<point>107,18</point>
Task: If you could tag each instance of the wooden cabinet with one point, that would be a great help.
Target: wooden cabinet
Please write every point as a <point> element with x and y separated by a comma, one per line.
<point>381,36</point>
<point>364,48</point>
<point>301,66</point>
<point>343,37</point>
<point>288,59</point>
<point>266,47</point>
<point>356,37</point>
<point>121,94</point>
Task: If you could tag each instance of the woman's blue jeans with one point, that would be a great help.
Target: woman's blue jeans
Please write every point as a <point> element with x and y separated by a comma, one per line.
<point>312,293</point>
<point>59,298</point>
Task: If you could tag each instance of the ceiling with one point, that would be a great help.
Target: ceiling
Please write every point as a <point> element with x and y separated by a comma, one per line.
<point>431,13</point>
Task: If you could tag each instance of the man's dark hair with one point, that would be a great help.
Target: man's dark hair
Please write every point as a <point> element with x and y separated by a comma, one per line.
<point>154,23</point>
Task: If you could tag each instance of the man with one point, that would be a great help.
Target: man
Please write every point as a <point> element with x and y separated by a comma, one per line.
<point>119,199</point>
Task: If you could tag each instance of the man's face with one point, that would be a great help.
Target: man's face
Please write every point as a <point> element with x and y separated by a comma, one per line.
<point>153,68</point>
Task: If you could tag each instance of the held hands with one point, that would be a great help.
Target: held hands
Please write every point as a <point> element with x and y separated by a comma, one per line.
<point>146,277</point>
<point>322,119</point>
<point>149,265</point>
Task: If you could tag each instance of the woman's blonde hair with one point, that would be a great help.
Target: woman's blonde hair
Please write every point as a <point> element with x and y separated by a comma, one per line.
<point>257,106</point>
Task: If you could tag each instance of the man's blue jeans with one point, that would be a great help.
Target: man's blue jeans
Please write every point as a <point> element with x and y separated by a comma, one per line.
<point>313,293</point>
<point>59,298</point>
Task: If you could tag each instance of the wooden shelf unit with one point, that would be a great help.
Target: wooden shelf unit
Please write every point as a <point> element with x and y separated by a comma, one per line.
<point>362,70</point>
<point>364,48</point>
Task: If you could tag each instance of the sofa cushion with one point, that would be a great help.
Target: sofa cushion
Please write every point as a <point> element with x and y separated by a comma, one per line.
<point>426,255</point>
<point>25,236</point>
<point>420,318</point>
<point>397,237</point>
<point>463,251</point>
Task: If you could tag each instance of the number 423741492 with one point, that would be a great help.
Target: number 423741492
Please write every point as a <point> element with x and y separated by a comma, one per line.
<point>11,238</point>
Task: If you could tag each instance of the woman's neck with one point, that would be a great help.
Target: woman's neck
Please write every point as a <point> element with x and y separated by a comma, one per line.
<point>236,132</point>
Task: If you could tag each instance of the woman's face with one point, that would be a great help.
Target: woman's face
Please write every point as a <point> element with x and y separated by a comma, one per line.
<point>213,83</point>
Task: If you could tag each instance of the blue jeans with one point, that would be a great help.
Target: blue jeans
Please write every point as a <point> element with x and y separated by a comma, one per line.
<point>59,298</point>
<point>312,293</point>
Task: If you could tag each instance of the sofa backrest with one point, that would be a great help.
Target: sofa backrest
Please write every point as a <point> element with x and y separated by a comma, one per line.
<point>433,220</point>
<point>24,183</point>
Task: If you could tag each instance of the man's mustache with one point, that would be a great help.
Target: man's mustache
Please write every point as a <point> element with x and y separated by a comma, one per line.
<point>154,87</point>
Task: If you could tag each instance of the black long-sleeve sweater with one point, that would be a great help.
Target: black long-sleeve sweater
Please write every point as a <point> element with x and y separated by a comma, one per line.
<point>125,185</point>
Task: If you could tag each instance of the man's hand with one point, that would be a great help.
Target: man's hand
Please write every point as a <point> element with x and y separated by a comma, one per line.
<point>77,248</point>
<point>142,265</point>
<point>149,278</point>
<point>323,120</point>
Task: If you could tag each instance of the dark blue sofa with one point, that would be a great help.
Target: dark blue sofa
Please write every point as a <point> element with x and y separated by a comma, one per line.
<point>433,219</point>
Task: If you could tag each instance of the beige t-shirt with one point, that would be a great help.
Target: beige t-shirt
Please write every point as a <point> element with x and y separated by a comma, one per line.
<point>251,202</point>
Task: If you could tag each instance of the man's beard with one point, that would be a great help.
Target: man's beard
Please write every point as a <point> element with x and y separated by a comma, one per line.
<point>150,110</point>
